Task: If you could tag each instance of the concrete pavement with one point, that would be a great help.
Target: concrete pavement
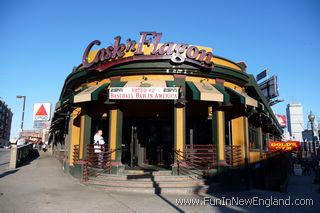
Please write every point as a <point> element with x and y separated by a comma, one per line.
<point>41,186</point>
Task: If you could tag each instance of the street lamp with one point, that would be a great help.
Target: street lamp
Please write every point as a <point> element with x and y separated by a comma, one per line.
<point>24,105</point>
<point>311,118</point>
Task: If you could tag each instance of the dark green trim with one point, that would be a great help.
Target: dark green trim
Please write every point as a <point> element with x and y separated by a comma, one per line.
<point>260,139</point>
<point>246,141</point>
<point>267,139</point>
<point>119,135</point>
<point>221,88</point>
<point>87,130</point>
<point>118,83</point>
<point>215,132</point>
<point>170,83</point>
<point>95,94</point>
<point>238,95</point>
<point>195,91</point>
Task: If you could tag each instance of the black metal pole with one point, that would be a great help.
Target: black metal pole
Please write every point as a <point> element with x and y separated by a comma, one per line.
<point>23,109</point>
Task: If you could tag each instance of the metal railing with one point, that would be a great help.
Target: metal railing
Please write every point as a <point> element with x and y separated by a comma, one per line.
<point>76,154</point>
<point>233,155</point>
<point>97,162</point>
<point>196,160</point>
<point>200,159</point>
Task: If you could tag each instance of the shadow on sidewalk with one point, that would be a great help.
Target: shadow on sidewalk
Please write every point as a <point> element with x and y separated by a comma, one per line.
<point>8,173</point>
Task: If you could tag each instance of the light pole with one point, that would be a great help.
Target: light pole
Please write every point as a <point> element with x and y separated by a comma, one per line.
<point>24,106</point>
<point>311,118</point>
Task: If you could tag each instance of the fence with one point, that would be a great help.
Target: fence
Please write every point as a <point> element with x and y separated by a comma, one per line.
<point>22,154</point>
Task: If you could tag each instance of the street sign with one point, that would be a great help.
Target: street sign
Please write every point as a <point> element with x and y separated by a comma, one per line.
<point>41,111</point>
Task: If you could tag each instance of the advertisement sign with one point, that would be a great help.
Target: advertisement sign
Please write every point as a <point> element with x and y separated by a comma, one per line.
<point>269,87</point>
<point>41,124</point>
<point>282,119</point>
<point>262,75</point>
<point>284,146</point>
<point>144,93</point>
<point>41,111</point>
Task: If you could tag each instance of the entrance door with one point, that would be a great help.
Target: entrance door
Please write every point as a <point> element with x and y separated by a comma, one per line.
<point>148,134</point>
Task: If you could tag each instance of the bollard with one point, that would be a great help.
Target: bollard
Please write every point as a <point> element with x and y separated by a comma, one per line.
<point>13,156</point>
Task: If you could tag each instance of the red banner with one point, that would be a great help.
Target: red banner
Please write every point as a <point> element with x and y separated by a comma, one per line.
<point>284,146</point>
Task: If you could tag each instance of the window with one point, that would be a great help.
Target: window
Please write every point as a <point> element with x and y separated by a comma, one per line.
<point>253,137</point>
<point>264,142</point>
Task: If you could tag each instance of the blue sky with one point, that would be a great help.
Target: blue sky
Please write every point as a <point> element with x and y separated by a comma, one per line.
<point>42,40</point>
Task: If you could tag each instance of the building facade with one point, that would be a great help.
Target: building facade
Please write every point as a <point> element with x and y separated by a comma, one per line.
<point>152,100</point>
<point>5,123</point>
<point>295,121</point>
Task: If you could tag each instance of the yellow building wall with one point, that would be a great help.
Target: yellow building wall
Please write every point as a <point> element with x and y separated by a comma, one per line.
<point>221,135</point>
<point>254,156</point>
<point>238,137</point>
<point>75,132</point>
<point>179,129</point>
<point>113,132</point>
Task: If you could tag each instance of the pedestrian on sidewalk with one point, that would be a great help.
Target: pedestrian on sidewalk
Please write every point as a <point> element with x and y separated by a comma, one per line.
<point>98,145</point>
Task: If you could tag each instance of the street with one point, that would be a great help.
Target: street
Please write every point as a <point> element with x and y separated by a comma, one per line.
<point>41,186</point>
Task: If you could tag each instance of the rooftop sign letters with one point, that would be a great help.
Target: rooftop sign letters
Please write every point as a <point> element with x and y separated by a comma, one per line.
<point>147,48</point>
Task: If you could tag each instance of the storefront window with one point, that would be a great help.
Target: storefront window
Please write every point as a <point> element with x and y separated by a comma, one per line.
<point>253,137</point>
<point>264,141</point>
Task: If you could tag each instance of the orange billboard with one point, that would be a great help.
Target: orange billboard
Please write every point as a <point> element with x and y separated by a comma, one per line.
<point>283,146</point>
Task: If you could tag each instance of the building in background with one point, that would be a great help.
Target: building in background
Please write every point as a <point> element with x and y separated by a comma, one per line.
<point>5,123</point>
<point>295,121</point>
<point>31,134</point>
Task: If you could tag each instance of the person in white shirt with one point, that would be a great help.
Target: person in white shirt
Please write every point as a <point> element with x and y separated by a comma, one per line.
<point>98,141</point>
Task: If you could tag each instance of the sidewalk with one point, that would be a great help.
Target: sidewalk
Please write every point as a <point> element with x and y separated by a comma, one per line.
<point>41,186</point>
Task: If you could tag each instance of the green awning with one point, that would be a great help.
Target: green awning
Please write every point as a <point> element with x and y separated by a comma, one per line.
<point>205,92</point>
<point>244,97</point>
<point>171,84</point>
<point>195,92</point>
<point>89,94</point>
<point>118,83</point>
<point>221,88</point>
